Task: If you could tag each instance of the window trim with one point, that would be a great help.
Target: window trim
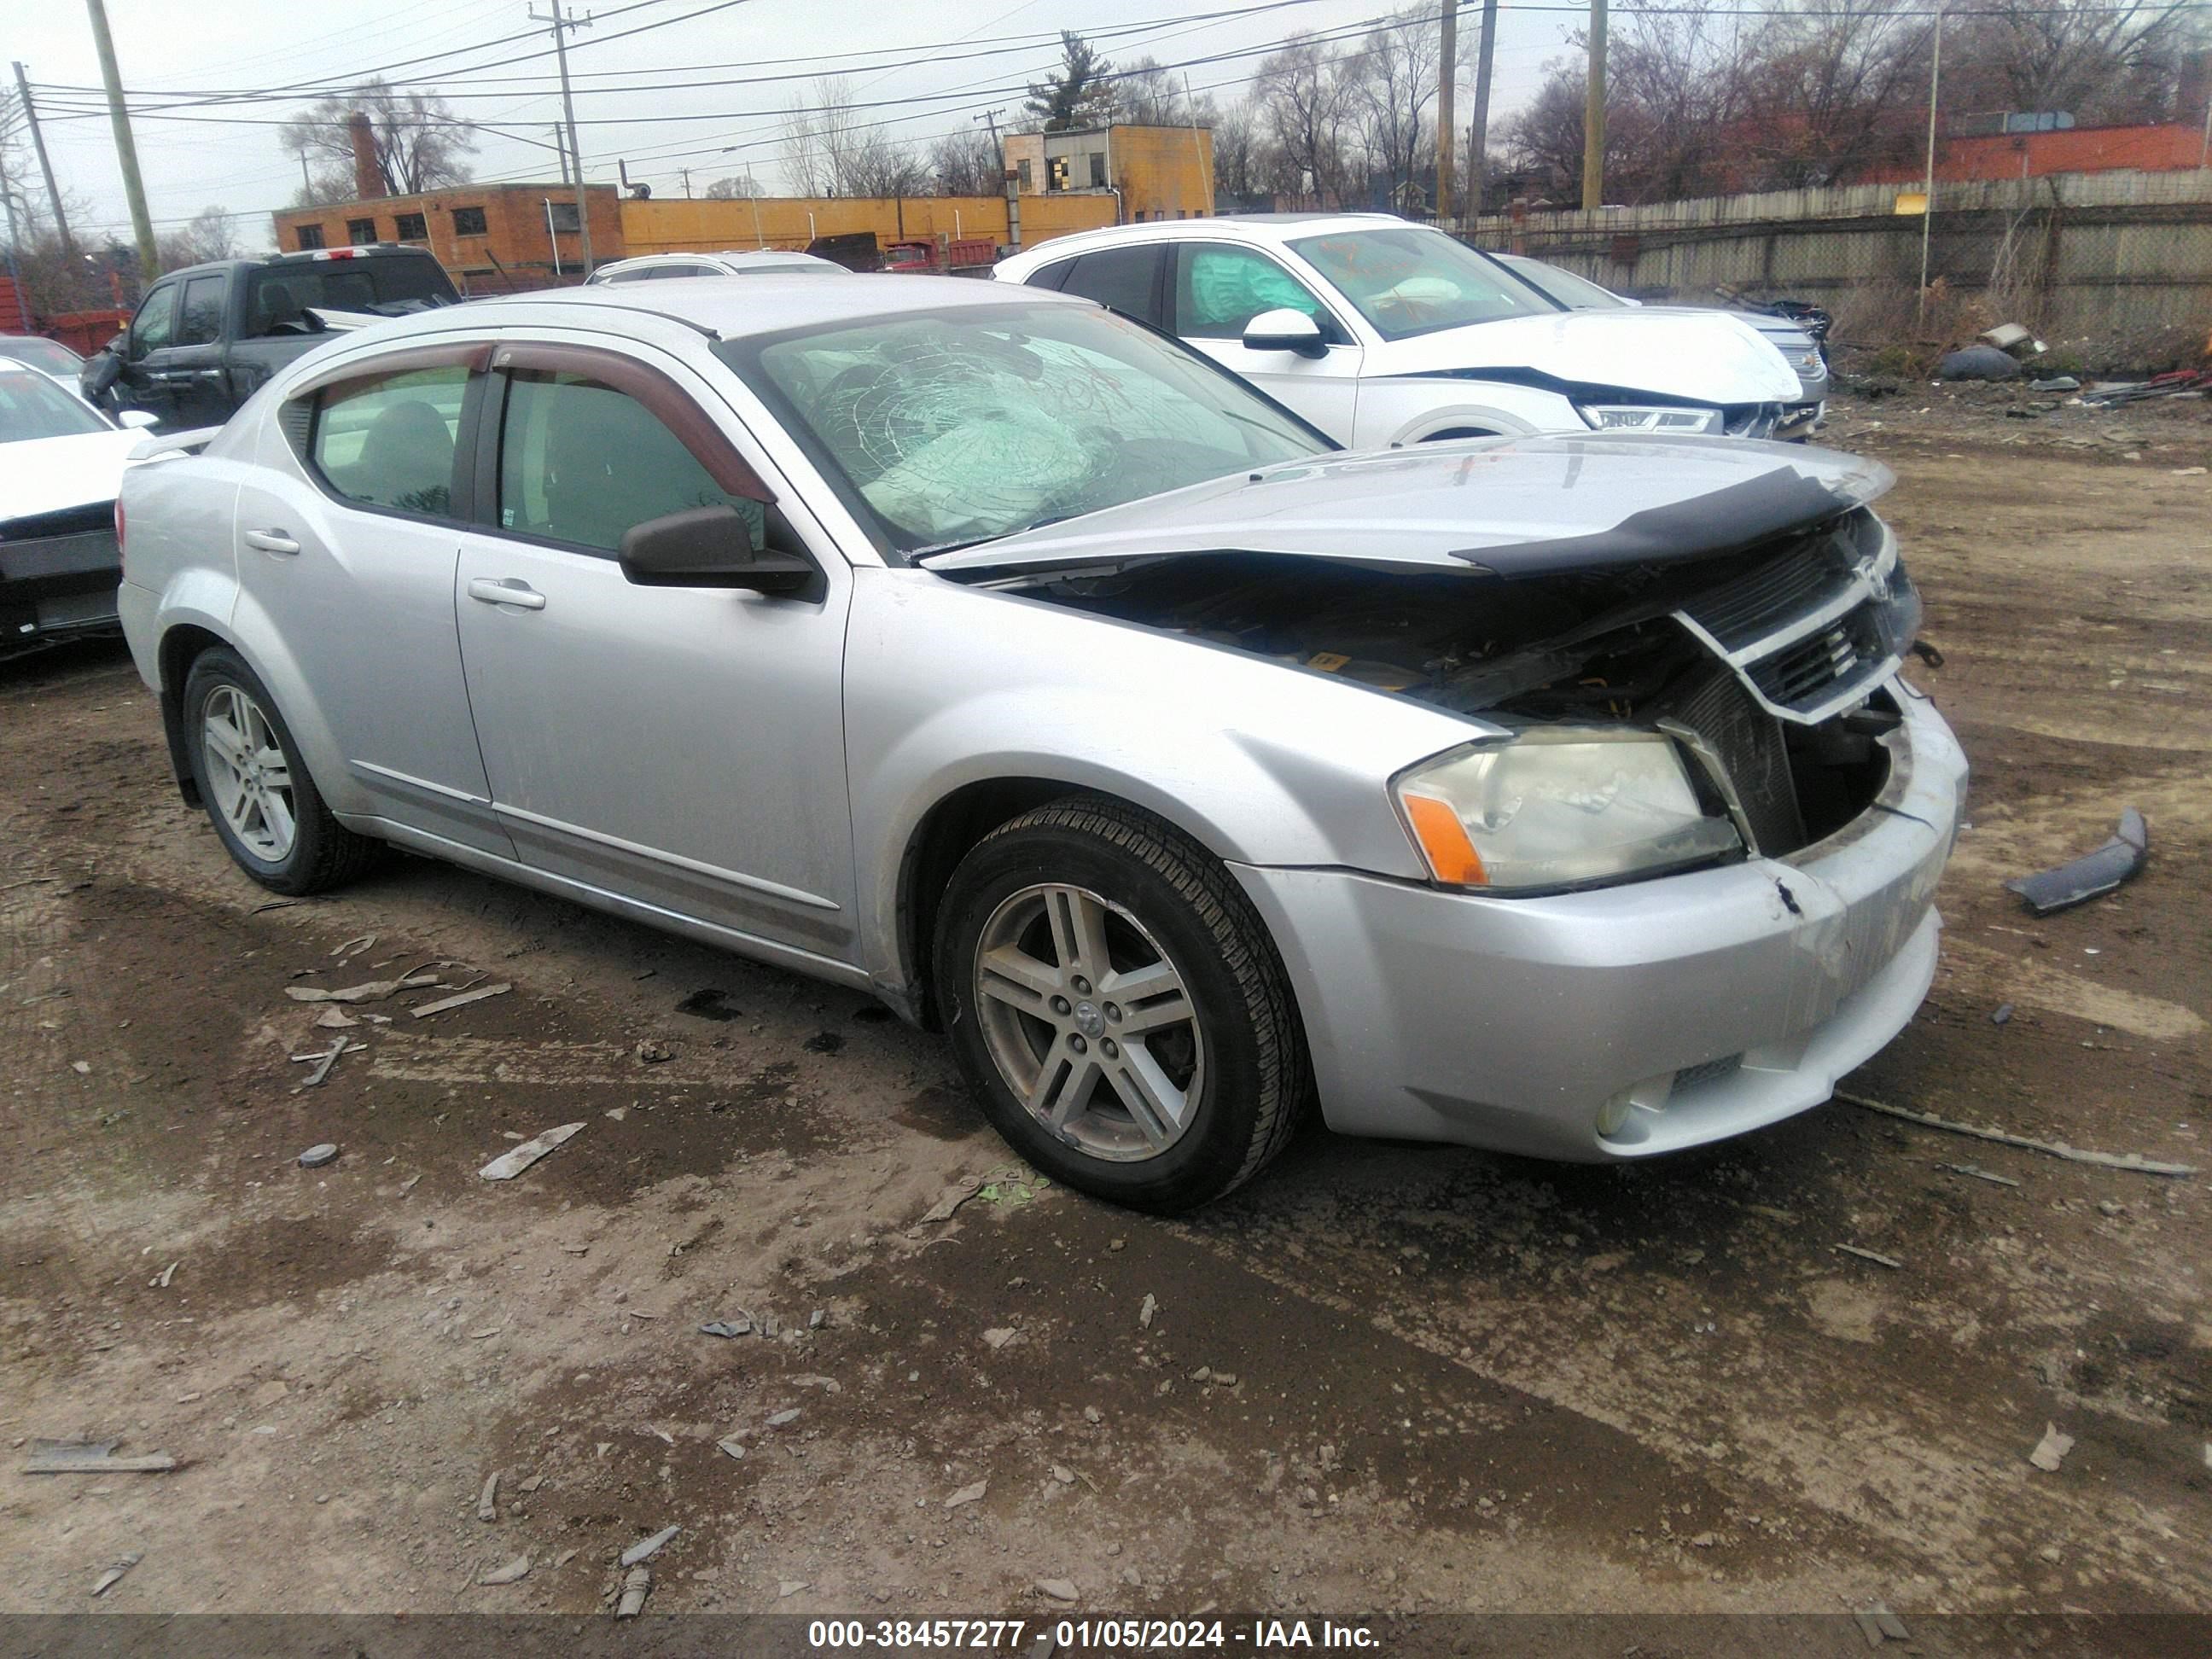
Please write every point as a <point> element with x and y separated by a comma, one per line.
<point>1171,309</point>
<point>353,227</point>
<point>483,220</point>
<point>660,395</point>
<point>473,355</point>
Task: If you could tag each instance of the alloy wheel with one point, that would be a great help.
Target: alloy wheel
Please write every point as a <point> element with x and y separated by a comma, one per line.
<point>1089,1022</point>
<point>247,773</point>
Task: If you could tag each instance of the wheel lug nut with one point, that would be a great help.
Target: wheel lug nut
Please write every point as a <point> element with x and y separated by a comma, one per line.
<point>1059,1004</point>
<point>1109,1049</point>
<point>1077,1043</point>
<point>1082,986</point>
<point>1114,1011</point>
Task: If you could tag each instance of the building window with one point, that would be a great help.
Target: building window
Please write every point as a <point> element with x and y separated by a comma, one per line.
<point>311,236</point>
<point>360,230</point>
<point>468,221</point>
<point>563,215</point>
<point>1027,182</point>
<point>412,227</point>
<point>1097,171</point>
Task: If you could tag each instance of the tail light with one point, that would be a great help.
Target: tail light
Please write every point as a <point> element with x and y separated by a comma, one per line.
<point>119,564</point>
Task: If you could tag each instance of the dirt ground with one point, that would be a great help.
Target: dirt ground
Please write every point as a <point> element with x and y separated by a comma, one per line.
<point>1382,1379</point>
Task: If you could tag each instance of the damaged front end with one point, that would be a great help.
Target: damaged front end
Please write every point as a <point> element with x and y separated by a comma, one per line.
<point>1769,666</point>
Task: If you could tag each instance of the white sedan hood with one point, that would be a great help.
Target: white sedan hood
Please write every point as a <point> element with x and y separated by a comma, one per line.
<point>46,475</point>
<point>1705,357</point>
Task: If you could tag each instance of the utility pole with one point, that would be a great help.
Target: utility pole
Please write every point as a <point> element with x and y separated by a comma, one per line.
<point>46,166</point>
<point>561,151</point>
<point>1594,114</point>
<point>561,27</point>
<point>1928,186</point>
<point>126,149</point>
<point>686,172</point>
<point>1447,74</point>
<point>1478,132</point>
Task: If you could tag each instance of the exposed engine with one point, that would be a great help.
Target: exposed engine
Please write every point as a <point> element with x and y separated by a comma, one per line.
<point>1767,665</point>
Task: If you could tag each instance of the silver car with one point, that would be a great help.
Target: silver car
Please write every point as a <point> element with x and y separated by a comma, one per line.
<point>973,647</point>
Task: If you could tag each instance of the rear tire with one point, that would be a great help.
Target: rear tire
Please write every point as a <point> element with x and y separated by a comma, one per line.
<point>264,805</point>
<point>1118,1006</point>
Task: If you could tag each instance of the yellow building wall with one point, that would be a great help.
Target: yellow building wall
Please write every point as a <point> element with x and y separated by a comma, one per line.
<point>1164,172</point>
<point>663,225</point>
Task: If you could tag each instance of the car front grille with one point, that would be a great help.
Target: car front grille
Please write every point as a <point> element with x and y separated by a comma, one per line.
<point>1746,745</point>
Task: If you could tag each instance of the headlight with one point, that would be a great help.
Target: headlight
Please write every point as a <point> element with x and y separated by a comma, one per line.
<point>1559,807</point>
<point>1642,418</point>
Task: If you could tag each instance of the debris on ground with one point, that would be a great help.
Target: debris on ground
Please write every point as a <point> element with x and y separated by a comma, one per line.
<point>740,1327</point>
<point>488,1501</point>
<point>2090,876</point>
<point>512,1572</point>
<point>2134,1161</point>
<point>968,1494</point>
<point>786,1588</point>
<point>824,1042</point>
<point>111,1575</point>
<point>784,1419</point>
<point>816,1319</point>
<point>324,1062</point>
<point>653,1051</point>
<point>730,1445</point>
<point>1000,1337</point>
<point>91,1458</point>
<point>1980,1174</point>
<point>160,1280</point>
<point>509,1164</point>
<point>461,1001</point>
<point>530,1483</point>
<point>636,1587</point>
<point>1064,1475</point>
<point>1979,362</point>
<point>1059,1590</point>
<point>1879,1625</point>
<point>1874,1256</point>
<point>810,1379</point>
<point>335,1018</point>
<point>646,1548</point>
<point>2050,1451</point>
<point>2013,340</point>
<point>2002,1014</point>
<point>320,1154</point>
<point>356,947</point>
<point>954,1197</point>
<point>1145,1313</point>
<point>374,990</point>
<point>710,1002</point>
<point>2181,383</point>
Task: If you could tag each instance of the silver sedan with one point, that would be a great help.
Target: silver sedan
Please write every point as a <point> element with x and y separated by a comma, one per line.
<point>986,651</point>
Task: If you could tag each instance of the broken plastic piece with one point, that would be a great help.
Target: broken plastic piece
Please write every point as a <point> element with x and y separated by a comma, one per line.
<point>2050,1451</point>
<point>461,1001</point>
<point>113,1575</point>
<point>509,1164</point>
<point>646,1548</point>
<point>91,1458</point>
<point>2092,875</point>
<point>636,1587</point>
<point>726,1327</point>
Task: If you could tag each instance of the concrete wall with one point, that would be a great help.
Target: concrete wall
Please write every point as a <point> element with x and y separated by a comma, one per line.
<point>675,225</point>
<point>2112,256</point>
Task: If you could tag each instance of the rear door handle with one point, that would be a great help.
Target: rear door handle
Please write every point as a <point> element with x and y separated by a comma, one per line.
<point>272,541</point>
<point>506,590</point>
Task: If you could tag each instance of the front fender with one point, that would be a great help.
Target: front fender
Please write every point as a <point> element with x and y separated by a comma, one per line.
<point>1262,763</point>
<point>1410,411</point>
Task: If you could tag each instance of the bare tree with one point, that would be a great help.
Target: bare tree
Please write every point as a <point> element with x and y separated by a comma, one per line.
<point>1147,94</point>
<point>737,187</point>
<point>829,149</point>
<point>1392,83</point>
<point>211,234</point>
<point>2098,61</point>
<point>1239,158</point>
<point>1309,113</point>
<point>421,144</point>
<point>1829,93</point>
<point>967,164</point>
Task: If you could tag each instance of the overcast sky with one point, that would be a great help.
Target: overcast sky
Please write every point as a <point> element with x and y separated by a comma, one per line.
<point>264,45</point>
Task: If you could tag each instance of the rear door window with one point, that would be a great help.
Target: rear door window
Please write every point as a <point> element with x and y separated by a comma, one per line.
<point>582,463</point>
<point>1125,278</point>
<point>388,440</point>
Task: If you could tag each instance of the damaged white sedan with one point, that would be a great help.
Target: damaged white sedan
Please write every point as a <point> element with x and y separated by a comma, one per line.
<point>975,648</point>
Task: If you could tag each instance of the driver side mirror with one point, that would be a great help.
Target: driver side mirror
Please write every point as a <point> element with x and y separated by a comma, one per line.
<point>1285,329</point>
<point>720,546</point>
<point>138,420</point>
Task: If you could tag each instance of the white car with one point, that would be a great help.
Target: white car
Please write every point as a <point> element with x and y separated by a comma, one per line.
<point>61,467</point>
<point>744,262</point>
<point>1381,331</point>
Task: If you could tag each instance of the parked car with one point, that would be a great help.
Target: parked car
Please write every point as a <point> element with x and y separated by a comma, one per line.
<point>1798,348</point>
<point>744,262</point>
<point>971,645</point>
<point>61,463</point>
<point>206,338</point>
<point>1382,333</point>
<point>51,356</point>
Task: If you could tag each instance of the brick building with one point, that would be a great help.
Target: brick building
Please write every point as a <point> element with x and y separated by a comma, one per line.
<point>490,237</point>
<point>1150,172</point>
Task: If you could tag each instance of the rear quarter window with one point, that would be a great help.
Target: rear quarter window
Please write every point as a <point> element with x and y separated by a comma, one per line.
<point>388,440</point>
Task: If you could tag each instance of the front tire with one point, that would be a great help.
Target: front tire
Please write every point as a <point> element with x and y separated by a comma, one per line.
<point>1117,1008</point>
<point>256,788</point>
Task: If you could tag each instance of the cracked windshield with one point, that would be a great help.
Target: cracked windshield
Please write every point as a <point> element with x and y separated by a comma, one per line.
<point>950,427</point>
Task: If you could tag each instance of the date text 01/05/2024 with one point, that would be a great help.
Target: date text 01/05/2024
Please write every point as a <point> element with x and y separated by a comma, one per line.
<point>1095,1636</point>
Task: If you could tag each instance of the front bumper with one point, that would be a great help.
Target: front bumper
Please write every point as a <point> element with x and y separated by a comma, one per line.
<point>56,586</point>
<point>1720,1001</point>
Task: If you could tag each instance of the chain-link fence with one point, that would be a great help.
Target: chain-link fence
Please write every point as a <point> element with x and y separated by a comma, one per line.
<point>2113,268</point>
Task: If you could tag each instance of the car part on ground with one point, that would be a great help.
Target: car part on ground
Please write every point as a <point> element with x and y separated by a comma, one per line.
<point>2091,876</point>
<point>1414,336</point>
<point>1093,636</point>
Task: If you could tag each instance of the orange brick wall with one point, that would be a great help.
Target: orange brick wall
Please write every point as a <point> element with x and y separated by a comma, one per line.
<point>2084,149</point>
<point>514,226</point>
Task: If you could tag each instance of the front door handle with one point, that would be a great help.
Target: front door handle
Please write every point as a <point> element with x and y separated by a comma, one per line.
<point>507,590</point>
<point>272,541</point>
